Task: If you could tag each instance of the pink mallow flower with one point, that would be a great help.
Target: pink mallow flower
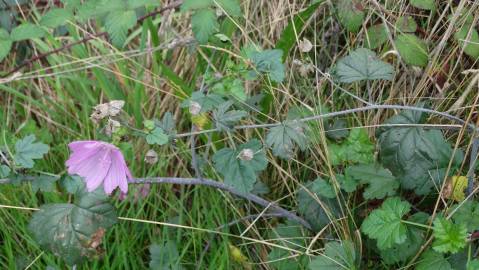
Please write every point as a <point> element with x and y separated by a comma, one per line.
<point>99,162</point>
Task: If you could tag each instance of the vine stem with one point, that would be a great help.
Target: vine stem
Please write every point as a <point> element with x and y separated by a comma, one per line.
<point>344,112</point>
<point>274,208</point>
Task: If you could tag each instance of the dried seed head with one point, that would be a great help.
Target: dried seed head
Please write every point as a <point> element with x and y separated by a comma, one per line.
<point>305,69</point>
<point>100,111</point>
<point>115,107</point>
<point>195,108</point>
<point>111,127</point>
<point>246,154</point>
<point>305,45</point>
<point>151,157</point>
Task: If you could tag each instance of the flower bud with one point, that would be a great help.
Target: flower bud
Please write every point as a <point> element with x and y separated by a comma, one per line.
<point>246,154</point>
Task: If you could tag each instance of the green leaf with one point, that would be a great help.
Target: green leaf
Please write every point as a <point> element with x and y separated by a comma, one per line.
<point>204,24</point>
<point>4,171</point>
<point>168,125</point>
<point>44,183</point>
<point>5,43</point>
<point>157,136</point>
<point>117,24</point>
<point>473,265</point>
<point>26,150</point>
<point>283,138</point>
<point>207,102</point>
<point>337,129</point>
<point>196,4</point>
<point>363,64</point>
<point>376,36</point>
<point>296,24</point>
<point>467,214</point>
<point>27,31</point>
<point>72,183</point>
<point>471,45</point>
<point>412,50</point>
<point>225,118</point>
<point>350,14</point>
<point>381,183</point>
<point>431,260</point>
<point>317,204</point>
<point>233,87</point>
<point>56,17</point>
<point>73,231</point>
<point>448,237</point>
<point>337,256</point>
<point>348,184</point>
<point>232,7</point>
<point>424,4</point>
<point>164,256</point>
<point>419,158</point>
<point>268,62</point>
<point>406,24</point>
<point>357,148</point>
<point>134,4</point>
<point>385,224</point>
<point>240,168</point>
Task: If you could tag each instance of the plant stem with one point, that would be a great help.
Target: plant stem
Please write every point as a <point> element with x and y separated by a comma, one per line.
<point>417,224</point>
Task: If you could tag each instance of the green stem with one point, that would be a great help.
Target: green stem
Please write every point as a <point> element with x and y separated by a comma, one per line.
<point>417,224</point>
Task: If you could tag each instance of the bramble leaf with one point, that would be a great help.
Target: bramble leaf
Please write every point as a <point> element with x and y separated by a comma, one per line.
<point>424,4</point>
<point>56,17</point>
<point>5,43</point>
<point>225,118</point>
<point>381,183</point>
<point>26,150</point>
<point>363,64</point>
<point>164,256</point>
<point>27,31</point>
<point>268,62</point>
<point>317,204</point>
<point>384,224</point>
<point>357,148</point>
<point>134,4</point>
<point>337,256</point>
<point>350,14</point>
<point>431,260</point>
<point>289,235</point>
<point>232,7</point>
<point>406,24</point>
<point>412,50</point>
<point>196,4</point>
<point>74,231</point>
<point>376,36</point>
<point>117,24</point>
<point>204,24</point>
<point>283,138</point>
<point>240,167</point>
<point>448,236</point>
<point>467,214</point>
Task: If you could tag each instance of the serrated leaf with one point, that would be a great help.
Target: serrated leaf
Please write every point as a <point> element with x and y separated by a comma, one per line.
<point>27,31</point>
<point>72,183</point>
<point>196,4</point>
<point>471,44</point>
<point>384,224</point>
<point>44,183</point>
<point>134,4</point>
<point>207,102</point>
<point>363,64</point>
<point>376,36</point>
<point>348,184</point>
<point>412,50</point>
<point>381,183</point>
<point>350,14</point>
<point>424,4</point>
<point>232,7</point>
<point>157,136</point>
<point>26,150</point>
<point>315,207</point>
<point>73,231</point>
<point>448,236</point>
<point>237,172</point>
<point>406,24</point>
<point>357,148</point>
<point>225,118</point>
<point>56,17</point>
<point>337,256</point>
<point>117,24</point>
<point>268,62</point>
<point>283,138</point>
<point>4,171</point>
<point>204,24</point>
<point>431,260</point>
<point>467,213</point>
<point>5,43</point>
<point>292,236</point>
<point>164,256</point>
<point>419,158</point>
